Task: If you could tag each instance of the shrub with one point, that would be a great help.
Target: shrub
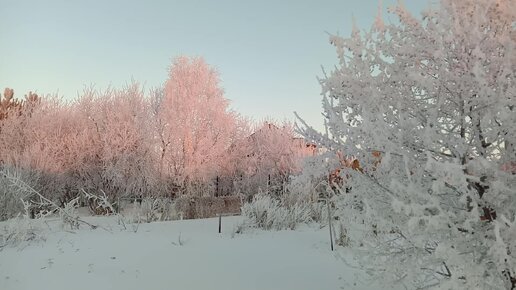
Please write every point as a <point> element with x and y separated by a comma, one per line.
<point>267,212</point>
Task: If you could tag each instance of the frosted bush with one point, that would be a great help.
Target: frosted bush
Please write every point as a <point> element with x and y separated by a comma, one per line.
<point>152,209</point>
<point>426,106</point>
<point>69,214</point>
<point>11,193</point>
<point>9,202</point>
<point>99,204</point>
<point>20,230</point>
<point>268,213</point>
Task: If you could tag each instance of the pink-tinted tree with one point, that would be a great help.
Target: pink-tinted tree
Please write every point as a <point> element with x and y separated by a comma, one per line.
<point>115,144</point>
<point>265,160</point>
<point>194,124</point>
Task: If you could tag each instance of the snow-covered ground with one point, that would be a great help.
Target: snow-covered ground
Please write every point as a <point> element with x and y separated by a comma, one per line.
<point>188,254</point>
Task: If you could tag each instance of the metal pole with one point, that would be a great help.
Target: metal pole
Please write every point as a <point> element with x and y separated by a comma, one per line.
<point>329,222</point>
<point>220,223</point>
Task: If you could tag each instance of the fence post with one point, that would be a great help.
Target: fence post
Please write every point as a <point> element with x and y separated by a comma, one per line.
<point>220,222</point>
<point>217,186</point>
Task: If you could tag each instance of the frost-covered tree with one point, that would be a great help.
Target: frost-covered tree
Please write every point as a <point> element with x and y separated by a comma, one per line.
<point>15,115</point>
<point>100,142</point>
<point>195,125</point>
<point>436,97</point>
<point>114,145</point>
<point>266,159</point>
<point>31,148</point>
<point>8,104</point>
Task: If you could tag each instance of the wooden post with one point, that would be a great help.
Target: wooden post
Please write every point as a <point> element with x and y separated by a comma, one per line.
<point>220,223</point>
<point>329,222</point>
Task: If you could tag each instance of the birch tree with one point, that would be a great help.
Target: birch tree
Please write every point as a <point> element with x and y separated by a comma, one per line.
<point>195,124</point>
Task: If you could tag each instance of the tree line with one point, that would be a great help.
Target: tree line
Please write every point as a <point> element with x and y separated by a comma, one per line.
<point>179,139</point>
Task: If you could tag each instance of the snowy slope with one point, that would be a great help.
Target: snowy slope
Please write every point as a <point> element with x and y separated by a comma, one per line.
<point>153,258</point>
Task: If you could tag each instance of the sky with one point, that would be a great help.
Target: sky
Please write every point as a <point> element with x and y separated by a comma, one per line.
<point>269,53</point>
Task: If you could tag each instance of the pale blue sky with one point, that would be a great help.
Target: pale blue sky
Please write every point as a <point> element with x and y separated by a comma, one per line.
<point>268,53</point>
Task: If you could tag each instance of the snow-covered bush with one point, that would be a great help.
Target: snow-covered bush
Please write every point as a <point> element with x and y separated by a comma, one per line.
<point>269,212</point>
<point>69,214</point>
<point>36,206</point>
<point>427,106</point>
<point>24,228</point>
<point>20,229</point>
<point>303,200</point>
<point>100,204</point>
<point>11,197</point>
<point>152,209</point>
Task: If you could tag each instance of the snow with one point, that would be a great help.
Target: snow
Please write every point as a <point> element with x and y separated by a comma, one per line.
<point>152,256</point>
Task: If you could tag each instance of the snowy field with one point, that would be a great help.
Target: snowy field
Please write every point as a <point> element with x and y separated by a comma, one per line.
<point>188,254</point>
